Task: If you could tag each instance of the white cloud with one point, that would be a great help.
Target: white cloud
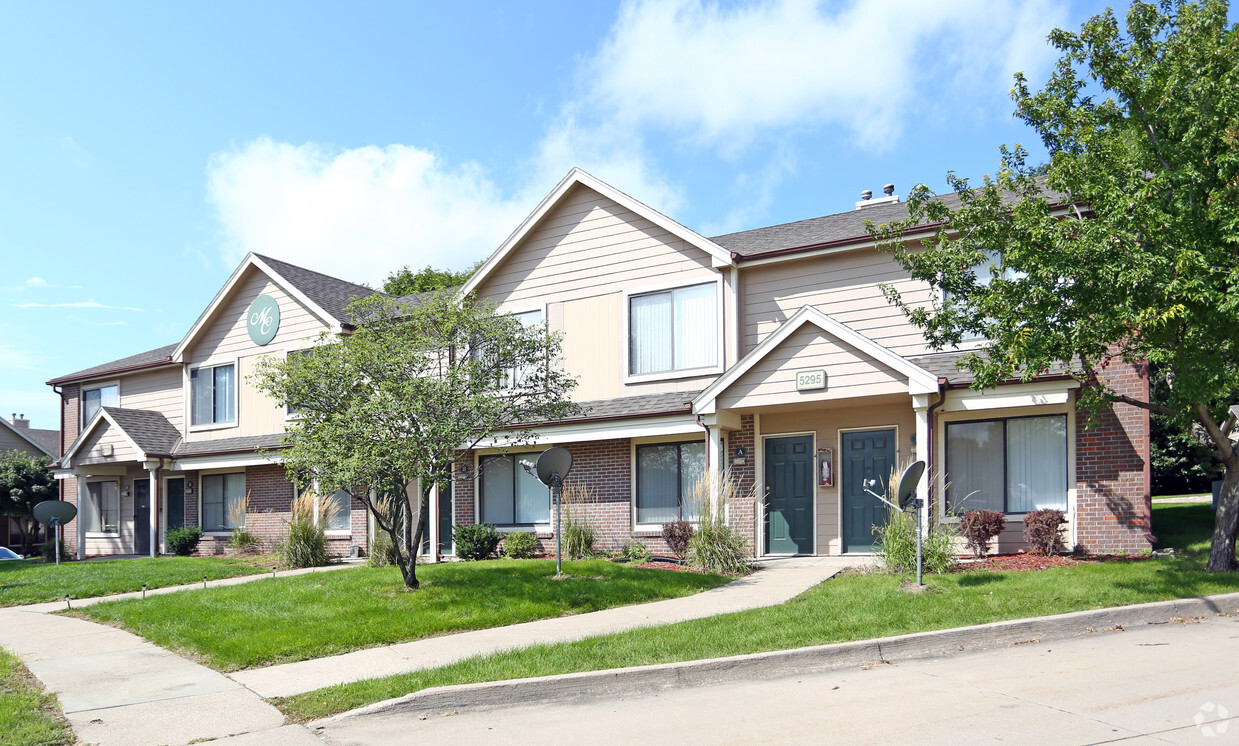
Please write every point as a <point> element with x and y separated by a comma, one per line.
<point>356,213</point>
<point>36,282</point>
<point>720,76</point>
<point>78,304</point>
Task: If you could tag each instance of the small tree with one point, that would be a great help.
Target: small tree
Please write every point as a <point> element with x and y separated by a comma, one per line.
<point>1124,247</point>
<point>24,483</point>
<point>384,409</point>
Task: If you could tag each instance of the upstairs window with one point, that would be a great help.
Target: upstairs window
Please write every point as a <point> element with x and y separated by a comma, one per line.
<point>99,396</point>
<point>213,394</point>
<point>518,376</point>
<point>673,330</point>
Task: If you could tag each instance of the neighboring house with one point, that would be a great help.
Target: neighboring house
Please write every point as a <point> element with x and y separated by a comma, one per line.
<point>772,352</point>
<point>17,435</point>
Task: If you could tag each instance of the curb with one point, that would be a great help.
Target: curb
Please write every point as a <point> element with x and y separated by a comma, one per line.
<point>639,680</point>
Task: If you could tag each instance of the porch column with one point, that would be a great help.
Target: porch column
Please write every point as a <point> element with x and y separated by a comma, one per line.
<point>153,472</point>
<point>83,504</point>
<point>715,464</point>
<point>432,524</point>
<point>920,403</point>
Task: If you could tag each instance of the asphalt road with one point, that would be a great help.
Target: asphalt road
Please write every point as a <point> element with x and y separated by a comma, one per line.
<point>1167,683</point>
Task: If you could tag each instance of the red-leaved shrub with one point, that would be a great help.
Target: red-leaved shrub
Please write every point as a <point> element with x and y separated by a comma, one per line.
<point>677,534</point>
<point>1043,529</point>
<point>979,527</point>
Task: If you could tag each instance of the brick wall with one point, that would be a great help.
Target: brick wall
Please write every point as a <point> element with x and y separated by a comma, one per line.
<point>1113,478</point>
<point>741,509</point>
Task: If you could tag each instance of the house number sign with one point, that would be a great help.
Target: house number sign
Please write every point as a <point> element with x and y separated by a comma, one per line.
<point>809,380</point>
<point>263,319</point>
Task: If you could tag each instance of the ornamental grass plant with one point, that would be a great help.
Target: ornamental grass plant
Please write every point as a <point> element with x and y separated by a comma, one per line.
<point>715,545</point>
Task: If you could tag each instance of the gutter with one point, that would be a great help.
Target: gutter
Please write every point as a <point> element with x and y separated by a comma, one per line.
<point>112,371</point>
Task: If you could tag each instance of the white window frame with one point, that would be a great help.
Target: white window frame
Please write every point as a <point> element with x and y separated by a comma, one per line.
<point>236,394</point>
<point>626,319</point>
<point>201,490</point>
<point>290,416</point>
<point>93,387</point>
<point>993,257</point>
<point>1008,514</point>
<point>518,311</point>
<point>656,528</point>
<point>333,532</point>
<point>541,529</point>
<point>98,519</point>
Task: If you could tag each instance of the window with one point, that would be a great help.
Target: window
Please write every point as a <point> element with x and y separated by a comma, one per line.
<point>213,394</point>
<point>666,476</point>
<point>673,330</point>
<point>1014,465</point>
<point>510,495</point>
<point>986,271</point>
<point>337,509</point>
<point>100,396</point>
<point>104,508</point>
<point>223,501</point>
<point>518,376</point>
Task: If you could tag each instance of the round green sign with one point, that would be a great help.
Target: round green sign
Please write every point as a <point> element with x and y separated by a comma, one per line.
<point>263,319</point>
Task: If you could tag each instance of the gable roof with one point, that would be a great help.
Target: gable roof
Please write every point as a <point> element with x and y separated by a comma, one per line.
<point>720,256</point>
<point>47,441</point>
<point>920,381</point>
<point>323,295</point>
<point>148,432</point>
<point>149,359</point>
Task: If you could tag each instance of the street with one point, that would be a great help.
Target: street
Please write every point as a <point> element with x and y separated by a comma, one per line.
<point>1167,683</point>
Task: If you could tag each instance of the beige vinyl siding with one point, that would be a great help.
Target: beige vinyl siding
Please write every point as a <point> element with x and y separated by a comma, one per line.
<point>844,286</point>
<point>577,264</point>
<point>157,391</point>
<point>825,423</point>
<point>258,414</point>
<point>105,434</point>
<point>10,441</point>
<point>849,374</point>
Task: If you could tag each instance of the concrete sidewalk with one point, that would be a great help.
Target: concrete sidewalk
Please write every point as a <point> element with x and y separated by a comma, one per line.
<point>116,688</point>
<point>781,579</point>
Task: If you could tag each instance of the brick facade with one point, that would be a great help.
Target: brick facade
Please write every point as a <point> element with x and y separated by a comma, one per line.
<point>1113,478</point>
<point>741,510</point>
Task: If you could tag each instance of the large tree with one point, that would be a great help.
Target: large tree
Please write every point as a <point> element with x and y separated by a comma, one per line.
<point>391,403</point>
<point>1126,248</point>
<point>24,483</point>
<point>405,281</point>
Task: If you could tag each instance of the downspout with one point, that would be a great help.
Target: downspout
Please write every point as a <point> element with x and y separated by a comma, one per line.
<point>929,447</point>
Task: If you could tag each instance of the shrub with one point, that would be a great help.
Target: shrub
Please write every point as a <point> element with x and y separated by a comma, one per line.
<point>677,535</point>
<point>306,545</point>
<point>715,546</point>
<point>578,535</point>
<point>48,550</point>
<point>382,551</point>
<point>475,541</point>
<point>183,541</point>
<point>1043,529</point>
<point>520,544</point>
<point>241,541</point>
<point>897,539</point>
<point>636,551</point>
<point>979,527</point>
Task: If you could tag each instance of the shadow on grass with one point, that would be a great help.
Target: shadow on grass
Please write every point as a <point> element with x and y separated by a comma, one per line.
<point>979,577</point>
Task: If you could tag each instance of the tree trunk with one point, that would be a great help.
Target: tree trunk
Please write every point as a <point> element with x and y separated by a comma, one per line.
<point>415,545</point>
<point>1222,549</point>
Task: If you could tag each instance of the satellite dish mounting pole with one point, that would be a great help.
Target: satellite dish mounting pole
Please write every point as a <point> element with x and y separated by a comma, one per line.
<point>56,538</point>
<point>557,494</point>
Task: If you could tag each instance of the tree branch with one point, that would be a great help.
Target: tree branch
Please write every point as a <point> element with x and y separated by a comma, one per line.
<point>1122,399</point>
<point>1220,441</point>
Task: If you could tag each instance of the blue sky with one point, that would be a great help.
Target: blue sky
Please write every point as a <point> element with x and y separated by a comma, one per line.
<point>146,146</point>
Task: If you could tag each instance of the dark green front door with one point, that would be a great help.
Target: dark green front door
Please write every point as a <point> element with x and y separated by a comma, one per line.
<point>867,460</point>
<point>789,495</point>
<point>141,516</point>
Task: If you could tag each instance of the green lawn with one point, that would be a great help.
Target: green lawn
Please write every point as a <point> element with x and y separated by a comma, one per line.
<point>30,582</point>
<point>279,620</point>
<point>850,607</point>
<point>28,715</point>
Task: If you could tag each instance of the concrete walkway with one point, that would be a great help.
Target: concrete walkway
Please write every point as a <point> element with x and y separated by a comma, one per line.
<point>780,580</point>
<point>116,688</point>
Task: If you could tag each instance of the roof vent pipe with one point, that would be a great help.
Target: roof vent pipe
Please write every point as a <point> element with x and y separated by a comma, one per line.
<point>889,190</point>
<point>867,194</point>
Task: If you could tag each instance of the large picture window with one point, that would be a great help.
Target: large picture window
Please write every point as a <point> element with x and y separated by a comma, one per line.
<point>338,511</point>
<point>1013,465</point>
<point>104,516</point>
<point>213,394</point>
<point>510,496</point>
<point>222,498</point>
<point>666,476</point>
<point>673,330</point>
<point>99,396</point>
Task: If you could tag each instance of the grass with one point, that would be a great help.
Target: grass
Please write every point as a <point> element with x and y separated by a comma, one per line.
<point>850,607</point>
<point>1207,495</point>
<point>278,620</point>
<point>30,581</point>
<point>28,715</point>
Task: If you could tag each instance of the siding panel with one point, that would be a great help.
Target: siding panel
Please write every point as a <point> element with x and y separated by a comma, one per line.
<point>159,391</point>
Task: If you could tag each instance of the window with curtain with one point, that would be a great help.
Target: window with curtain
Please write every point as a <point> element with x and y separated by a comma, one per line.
<point>222,498</point>
<point>100,396</point>
<point>338,511</point>
<point>104,508</point>
<point>509,495</point>
<point>518,376</point>
<point>673,330</point>
<point>213,394</point>
<point>666,476</point>
<point>1014,465</point>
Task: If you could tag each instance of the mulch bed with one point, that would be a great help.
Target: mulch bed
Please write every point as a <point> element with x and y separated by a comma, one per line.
<point>1027,562</point>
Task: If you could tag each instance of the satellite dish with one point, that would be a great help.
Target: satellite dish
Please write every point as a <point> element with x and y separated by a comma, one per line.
<point>554,461</point>
<point>60,510</point>
<point>907,484</point>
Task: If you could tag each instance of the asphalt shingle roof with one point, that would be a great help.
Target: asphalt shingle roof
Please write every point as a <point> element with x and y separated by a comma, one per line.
<point>943,365</point>
<point>150,430</point>
<point>49,439</point>
<point>636,406</point>
<point>330,293</point>
<point>147,359</point>
<point>243,444</point>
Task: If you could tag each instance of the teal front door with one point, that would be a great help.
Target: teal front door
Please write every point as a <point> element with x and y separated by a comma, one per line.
<point>867,460</point>
<point>789,495</point>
